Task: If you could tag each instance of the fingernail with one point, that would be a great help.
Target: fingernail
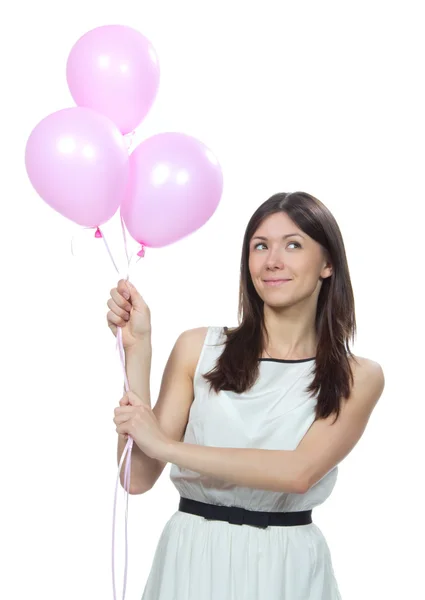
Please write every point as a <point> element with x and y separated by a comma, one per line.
<point>126,296</point>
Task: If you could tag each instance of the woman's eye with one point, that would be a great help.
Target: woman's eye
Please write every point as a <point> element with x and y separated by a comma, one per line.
<point>262,244</point>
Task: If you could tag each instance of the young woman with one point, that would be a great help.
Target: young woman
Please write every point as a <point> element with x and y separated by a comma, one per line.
<point>254,419</point>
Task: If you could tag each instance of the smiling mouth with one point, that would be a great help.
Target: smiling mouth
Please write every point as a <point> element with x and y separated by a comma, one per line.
<point>275,282</point>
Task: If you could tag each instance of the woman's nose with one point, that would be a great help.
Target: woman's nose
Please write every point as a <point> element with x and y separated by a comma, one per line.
<point>274,259</point>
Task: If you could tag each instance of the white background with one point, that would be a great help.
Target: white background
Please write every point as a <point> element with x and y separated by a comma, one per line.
<point>324,97</point>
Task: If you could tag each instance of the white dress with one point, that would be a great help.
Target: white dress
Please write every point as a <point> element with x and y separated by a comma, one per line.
<point>199,559</point>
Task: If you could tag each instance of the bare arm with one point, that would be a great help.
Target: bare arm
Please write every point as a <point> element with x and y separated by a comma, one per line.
<point>138,368</point>
<point>173,404</point>
<point>323,447</point>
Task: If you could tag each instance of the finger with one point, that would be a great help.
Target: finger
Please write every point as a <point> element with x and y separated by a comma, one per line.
<point>121,410</point>
<point>124,413</point>
<point>125,288</point>
<point>118,311</point>
<point>136,298</point>
<point>121,294</point>
<point>114,320</point>
<point>130,398</point>
<point>120,301</point>
<point>118,297</point>
<point>121,418</point>
<point>134,399</point>
<point>121,307</point>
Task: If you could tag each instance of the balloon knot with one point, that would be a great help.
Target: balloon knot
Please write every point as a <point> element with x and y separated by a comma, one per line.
<point>141,251</point>
<point>98,233</point>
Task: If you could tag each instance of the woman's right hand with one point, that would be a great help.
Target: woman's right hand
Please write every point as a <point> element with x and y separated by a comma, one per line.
<point>132,314</point>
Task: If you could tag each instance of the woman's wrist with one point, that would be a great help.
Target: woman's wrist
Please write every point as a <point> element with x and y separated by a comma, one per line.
<point>138,360</point>
<point>142,345</point>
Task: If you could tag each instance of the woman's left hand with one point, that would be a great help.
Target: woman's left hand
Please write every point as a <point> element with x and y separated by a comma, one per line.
<point>136,419</point>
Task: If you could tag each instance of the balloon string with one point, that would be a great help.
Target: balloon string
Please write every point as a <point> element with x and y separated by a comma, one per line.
<point>129,445</point>
<point>125,240</point>
<point>72,241</point>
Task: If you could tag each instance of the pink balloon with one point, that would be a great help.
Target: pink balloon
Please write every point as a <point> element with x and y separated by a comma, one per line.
<point>175,186</point>
<point>77,161</point>
<point>114,69</point>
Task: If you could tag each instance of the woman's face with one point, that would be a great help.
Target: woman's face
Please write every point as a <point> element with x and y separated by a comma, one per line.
<point>280,250</point>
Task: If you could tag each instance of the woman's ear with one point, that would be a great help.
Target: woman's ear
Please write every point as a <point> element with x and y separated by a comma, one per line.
<point>327,270</point>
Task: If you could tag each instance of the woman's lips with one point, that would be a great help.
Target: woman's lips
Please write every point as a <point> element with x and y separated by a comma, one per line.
<point>276,282</point>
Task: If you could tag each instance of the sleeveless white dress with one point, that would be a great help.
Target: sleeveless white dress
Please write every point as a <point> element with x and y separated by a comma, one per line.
<point>198,559</point>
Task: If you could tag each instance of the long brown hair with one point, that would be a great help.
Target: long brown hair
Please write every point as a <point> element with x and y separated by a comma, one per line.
<point>237,368</point>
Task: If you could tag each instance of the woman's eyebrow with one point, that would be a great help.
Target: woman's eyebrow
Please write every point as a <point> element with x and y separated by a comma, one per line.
<point>261,237</point>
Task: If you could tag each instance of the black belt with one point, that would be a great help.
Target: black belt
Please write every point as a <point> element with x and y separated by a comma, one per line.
<point>241,516</point>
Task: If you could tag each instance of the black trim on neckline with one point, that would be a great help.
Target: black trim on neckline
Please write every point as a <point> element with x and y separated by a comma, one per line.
<point>285,360</point>
<point>282,360</point>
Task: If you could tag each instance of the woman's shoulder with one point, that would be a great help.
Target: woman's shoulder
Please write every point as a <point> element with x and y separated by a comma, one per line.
<point>211,335</point>
<point>199,331</point>
<point>192,341</point>
<point>364,364</point>
<point>196,335</point>
<point>367,371</point>
<point>188,347</point>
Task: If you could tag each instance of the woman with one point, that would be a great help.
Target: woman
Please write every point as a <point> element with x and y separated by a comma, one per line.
<point>267,410</point>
